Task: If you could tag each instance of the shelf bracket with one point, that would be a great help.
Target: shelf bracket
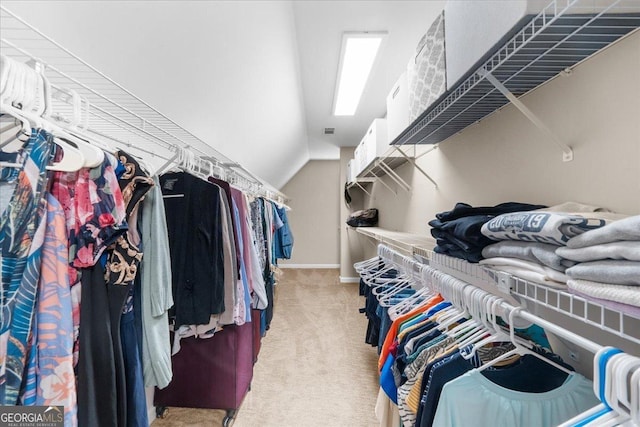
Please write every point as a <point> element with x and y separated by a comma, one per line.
<point>394,176</point>
<point>567,152</point>
<point>413,163</point>
<point>381,181</point>
<point>362,188</point>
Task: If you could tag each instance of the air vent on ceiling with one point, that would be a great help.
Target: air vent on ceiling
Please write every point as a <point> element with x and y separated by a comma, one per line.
<point>329,131</point>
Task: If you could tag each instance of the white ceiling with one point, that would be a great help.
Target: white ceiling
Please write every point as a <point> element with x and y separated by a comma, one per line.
<point>254,79</point>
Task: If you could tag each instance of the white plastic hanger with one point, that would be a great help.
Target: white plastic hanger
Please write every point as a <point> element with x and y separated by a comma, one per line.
<point>93,156</point>
<point>367,264</point>
<point>29,89</point>
<point>619,369</point>
<point>73,158</point>
<point>9,87</point>
<point>635,397</point>
<point>520,349</point>
<point>496,332</point>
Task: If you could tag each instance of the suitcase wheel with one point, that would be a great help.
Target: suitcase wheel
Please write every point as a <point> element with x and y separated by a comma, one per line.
<point>162,412</point>
<point>228,420</point>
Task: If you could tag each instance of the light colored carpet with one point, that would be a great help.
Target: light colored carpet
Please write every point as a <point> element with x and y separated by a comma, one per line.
<point>314,369</point>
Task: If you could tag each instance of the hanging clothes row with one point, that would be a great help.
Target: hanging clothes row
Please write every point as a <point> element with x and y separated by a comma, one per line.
<point>465,357</point>
<point>223,250</point>
<point>90,266</point>
<point>224,247</point>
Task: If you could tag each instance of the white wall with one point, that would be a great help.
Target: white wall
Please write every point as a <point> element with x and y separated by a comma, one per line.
<point>505,157</point>
<point>314,216</point>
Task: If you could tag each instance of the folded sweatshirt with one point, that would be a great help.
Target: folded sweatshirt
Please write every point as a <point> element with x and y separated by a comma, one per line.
<point>627,229</point>
<point>554,228</point>
<point>627,250</point>
<point>541,253</point>
<point>616,272</point>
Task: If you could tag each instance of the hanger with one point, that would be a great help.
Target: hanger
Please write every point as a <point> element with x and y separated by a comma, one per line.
<point>72,159</point>
<point>520,348</point>
<point>472,328</point>
<point>10,83</point>
<point>635,396</point>
<point>30,91</point>
<point>496,332</point>
<point>597,412</point>
<point>387,294</point>
<point>480,314</point>
<point>413,301</point>
<point>93,155</point>
<point>618,389</point>
<point>367,264</point>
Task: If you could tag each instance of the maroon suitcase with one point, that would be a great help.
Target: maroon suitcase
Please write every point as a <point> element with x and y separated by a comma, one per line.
<point>257,336</point>
<point>213,373</point>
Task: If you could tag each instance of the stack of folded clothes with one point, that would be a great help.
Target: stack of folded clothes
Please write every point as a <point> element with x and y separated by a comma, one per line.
<point>457,232</point>
<point>528,241</point>
<point>607,265</point>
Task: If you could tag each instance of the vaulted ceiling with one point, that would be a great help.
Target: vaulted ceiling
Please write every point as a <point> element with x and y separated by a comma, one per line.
<point>254,79</point>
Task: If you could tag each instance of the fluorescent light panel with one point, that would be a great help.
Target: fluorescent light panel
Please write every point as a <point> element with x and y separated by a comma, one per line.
<point>359,52</point>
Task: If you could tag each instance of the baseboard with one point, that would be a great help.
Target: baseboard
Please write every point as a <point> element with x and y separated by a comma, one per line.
<point>349,279</point>
<point>309,266</point>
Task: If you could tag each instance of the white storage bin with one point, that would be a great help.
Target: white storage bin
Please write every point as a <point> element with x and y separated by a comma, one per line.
<point>398,108</point>
<point>426,71</point>
<point>351,171</point>
<point>375,140</point>
<point>356,163</point>
<point>362,156</point>
<point>473,27</point>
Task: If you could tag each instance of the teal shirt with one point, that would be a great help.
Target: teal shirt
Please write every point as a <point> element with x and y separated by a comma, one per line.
<point>473,400</point>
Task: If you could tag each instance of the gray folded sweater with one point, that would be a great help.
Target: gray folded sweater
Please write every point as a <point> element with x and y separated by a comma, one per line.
<point>608,271</point>
<point>627,229</point>
<point>541,253</point>
<point>614,250</point>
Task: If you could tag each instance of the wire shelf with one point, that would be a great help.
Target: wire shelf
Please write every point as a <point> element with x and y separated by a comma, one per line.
<point>115,112</point>
<point>559,38</point>
<point>512,288</point>
<point>405,242</point>
<point>582,309</point>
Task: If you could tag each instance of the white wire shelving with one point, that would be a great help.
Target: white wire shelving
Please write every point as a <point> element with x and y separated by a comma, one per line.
<point>406,243</point>
<point>387,164</point>
<point>515,290</point>
<point>562,35</point>
<point>115,113</point>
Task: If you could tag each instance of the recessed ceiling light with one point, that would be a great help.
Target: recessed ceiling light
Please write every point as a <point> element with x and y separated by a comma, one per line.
<point>359,51</point>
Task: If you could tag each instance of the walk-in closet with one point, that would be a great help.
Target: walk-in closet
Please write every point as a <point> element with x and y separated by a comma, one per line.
<point>320,213</point>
